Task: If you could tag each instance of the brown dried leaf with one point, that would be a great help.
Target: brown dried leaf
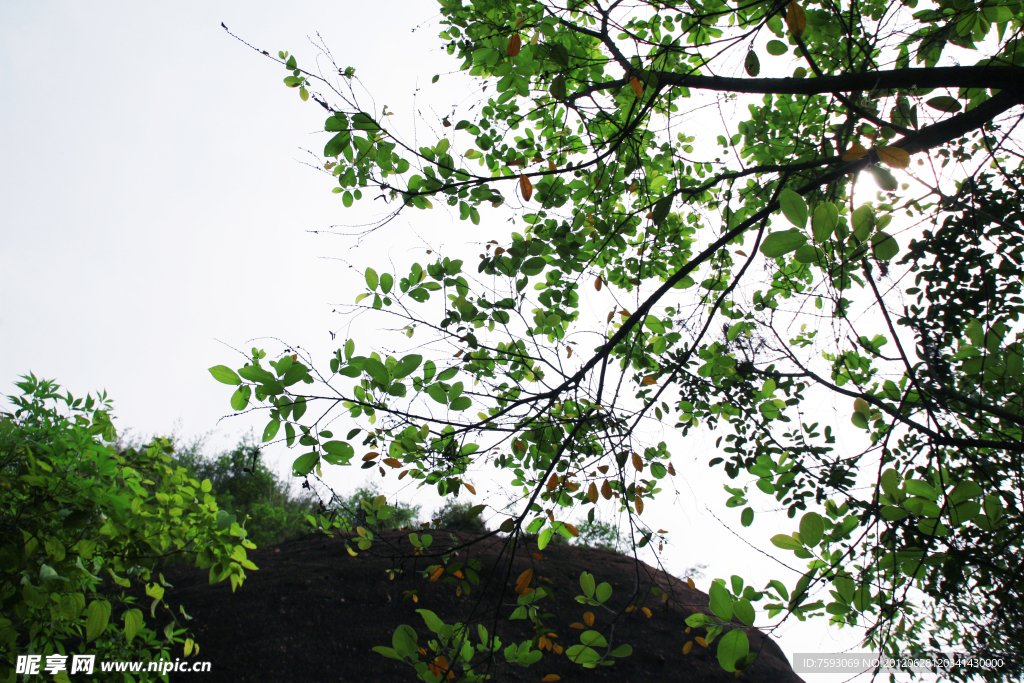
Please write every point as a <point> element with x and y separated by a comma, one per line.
<point>855,152</point>
<point>525,187</point>
<point>515,43</point>
<point>894,156</point>
<point>796,19</point>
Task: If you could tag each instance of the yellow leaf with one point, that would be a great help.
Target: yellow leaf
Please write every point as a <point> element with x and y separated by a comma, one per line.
<point>523,581</point>
<point>551,165</point>
<point>648,381</point>
<point>525,187</point>
<point>469,487</point>
<point>637,86</point>
<point>598,284</point>
<point>687,647</point>
<point>392,462</point>
<point>701,641</point>
<point>370,456</point>
<point>638,463</point>
<point>603,469</point>
<point>855,152</point>
<point>610,316</point>
<point>572,530</point>
<point>436,574</point>
<point>401,475</point>
<point>894,156</point>
<point>671,470</point>
<point>796,19</point>
<point>537,556</point>
<point>639,505</point>
<point>551,677</point>
<point>558,649</point>
<point>690,583</point>
<point>515,43</point>
<point>568,352</point>
<point>577,625</point>
<point>647,612</point>
<point>588,618</point>
<point>552,482</point>
<point>520,446</point>
<point>592,493</point>
<point>606,490</point>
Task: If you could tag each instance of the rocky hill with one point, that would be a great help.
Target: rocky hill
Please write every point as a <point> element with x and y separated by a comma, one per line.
<point>312,614</point>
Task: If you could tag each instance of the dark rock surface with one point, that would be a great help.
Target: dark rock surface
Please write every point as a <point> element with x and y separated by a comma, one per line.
<point>313,613</point>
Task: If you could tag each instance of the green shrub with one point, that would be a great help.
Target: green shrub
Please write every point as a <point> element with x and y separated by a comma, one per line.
<point>82,524</point>
<point>354,510</point>
<point>455,516</point>
<point>601,534</point>
<point>245,486</point>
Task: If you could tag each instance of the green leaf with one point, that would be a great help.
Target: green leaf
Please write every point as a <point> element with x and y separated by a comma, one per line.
<point>407,366</point>
<point>603,592</point>
<point>133,621</point>
<point>557,88</point>
<point>733,647</point>
<point>776,47</point>
<point>809,253</point>
<point>587,584</point>
<point>944,103</point>
<point>747,516</point>
<point>786,542</point>
<point>863,221</point>
<point>224,374</point>
<point>890,482</point>
<point>338,452</point>
<point>271,430</point>
<point>224,520</point>
<point>793,207</point>
<point>593,639</point>
<point>623,650</point>
<point>305,463</point>
<point>544,538</point>
<point>404,641</point>
<point>371,278</point>
<point>533,266</point>
<point>884,246</point>
<point>461,403</point>
<point>240,399</point>
<point>916,487</point>
<point>824,221</point>
<point>338,144</point>
<point>721,601</point>
<point>97,618</point>
<point>887,181</point>
<point>812,528</point>
<point>661,210</point>
<point>744,611</point>
<point>780,243</point>
<point>752,64</point>
<point>431,619</point>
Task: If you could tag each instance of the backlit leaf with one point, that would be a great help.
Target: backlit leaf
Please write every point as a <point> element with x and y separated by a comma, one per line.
<point>525,187</point>
<point>856,151</point>
<point>893,156</point>
<point>796,20</point>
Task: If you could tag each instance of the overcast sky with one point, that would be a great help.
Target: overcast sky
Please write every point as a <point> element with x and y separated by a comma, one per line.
<point>156,209</point>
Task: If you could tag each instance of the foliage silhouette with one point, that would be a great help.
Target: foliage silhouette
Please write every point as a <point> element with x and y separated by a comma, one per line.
<point>845,232</point>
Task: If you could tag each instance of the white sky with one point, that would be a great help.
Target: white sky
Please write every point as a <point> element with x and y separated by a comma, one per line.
<point>154,201</point>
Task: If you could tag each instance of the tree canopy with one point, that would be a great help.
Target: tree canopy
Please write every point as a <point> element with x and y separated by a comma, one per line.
<point>85,528</point>
<point>787,206</point>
